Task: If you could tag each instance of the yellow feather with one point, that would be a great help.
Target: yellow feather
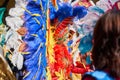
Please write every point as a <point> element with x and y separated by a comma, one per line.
<point>48,74</point>
<point>50,45</point>
<point>50,48</point>
<point>34,35</point>
<point>32,15</point>
<point>60,75</point>
<point>35,14</point>
<point>25,52</point>
<point>76,76</point>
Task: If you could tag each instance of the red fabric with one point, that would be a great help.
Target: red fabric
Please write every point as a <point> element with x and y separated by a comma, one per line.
<point>63,59</point>
<point>61,26</point>
<point>80,69</point>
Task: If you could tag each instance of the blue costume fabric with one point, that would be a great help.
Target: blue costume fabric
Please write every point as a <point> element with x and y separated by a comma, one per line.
<point>99,75</point>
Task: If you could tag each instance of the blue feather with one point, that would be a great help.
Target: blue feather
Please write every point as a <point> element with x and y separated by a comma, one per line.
<point>85,44</point>
<point>88,61</point>
<point>32,60</point>
<point>65,10</point>
<point>79,11</point>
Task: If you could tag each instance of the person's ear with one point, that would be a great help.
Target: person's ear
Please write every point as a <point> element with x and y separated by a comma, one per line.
<point>118,5</point>
<point>92,41</point>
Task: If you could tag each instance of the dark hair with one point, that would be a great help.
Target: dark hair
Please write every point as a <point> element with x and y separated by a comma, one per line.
<point>106,48</point>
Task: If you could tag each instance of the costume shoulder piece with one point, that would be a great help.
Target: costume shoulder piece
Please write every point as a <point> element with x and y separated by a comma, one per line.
<point>99,75</point>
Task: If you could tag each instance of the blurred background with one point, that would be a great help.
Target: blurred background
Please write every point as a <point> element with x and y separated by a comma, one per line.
<point>12,2</point>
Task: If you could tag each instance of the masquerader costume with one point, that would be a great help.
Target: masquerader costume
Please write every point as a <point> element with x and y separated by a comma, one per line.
<point>52,39</point>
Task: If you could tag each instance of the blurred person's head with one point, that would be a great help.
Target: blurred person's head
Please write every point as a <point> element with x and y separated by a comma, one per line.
<point>106,49</point>
<point>116,5</point>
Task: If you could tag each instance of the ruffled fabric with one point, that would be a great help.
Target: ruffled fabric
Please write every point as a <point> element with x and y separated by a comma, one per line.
<point>13,38</point>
